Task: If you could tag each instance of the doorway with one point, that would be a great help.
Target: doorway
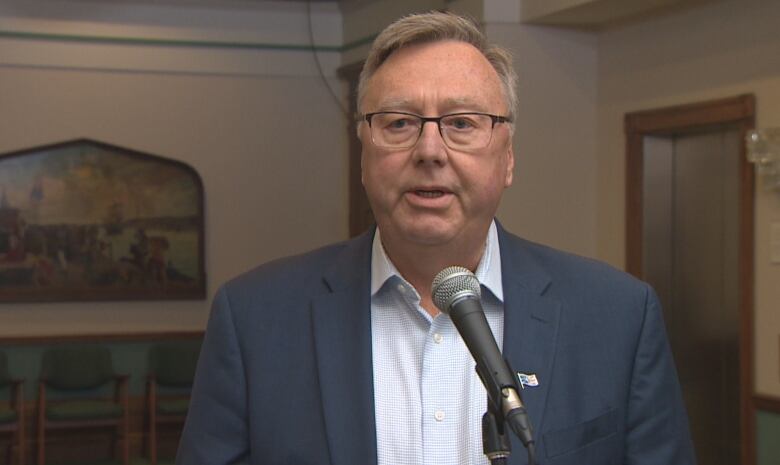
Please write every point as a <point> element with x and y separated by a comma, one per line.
<point>689,234</point>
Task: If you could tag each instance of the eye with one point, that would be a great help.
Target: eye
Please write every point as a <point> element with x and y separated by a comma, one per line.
<point>398,123</point>
<point>461,122</point>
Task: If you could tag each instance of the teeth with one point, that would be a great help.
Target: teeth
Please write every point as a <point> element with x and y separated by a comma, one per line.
<point>430,194</point>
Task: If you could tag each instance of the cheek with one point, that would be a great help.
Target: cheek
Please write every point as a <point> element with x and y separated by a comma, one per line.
<point>378,177</point>
<point>369,167</point>
<point>382,168</point>
<point>372,171</point>
<point>485,185</point>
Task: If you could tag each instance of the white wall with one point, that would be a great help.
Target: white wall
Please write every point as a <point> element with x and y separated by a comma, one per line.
<point>251,116</point>
<point>553,198</point>
<point>711,51</point>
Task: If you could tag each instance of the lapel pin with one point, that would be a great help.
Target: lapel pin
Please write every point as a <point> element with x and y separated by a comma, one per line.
<point>527,379</point>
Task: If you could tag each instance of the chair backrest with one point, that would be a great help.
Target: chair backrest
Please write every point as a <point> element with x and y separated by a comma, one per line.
<point>173,363</point>
<point>5,376</point>
<point>77,367</point>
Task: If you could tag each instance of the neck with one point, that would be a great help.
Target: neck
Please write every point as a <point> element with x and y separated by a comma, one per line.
<point>420,263</point>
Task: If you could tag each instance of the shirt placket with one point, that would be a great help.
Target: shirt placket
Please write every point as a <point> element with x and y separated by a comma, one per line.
<point>438,384</point>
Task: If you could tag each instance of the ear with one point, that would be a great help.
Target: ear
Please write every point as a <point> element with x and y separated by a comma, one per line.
<point>362,171</point>
<point>510,165</point>
<point>362,152</point>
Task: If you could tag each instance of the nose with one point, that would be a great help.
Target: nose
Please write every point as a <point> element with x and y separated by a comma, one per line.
<point>430,146</point>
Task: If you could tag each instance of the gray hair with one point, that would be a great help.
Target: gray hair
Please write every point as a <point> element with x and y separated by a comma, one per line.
<point>438,26</point>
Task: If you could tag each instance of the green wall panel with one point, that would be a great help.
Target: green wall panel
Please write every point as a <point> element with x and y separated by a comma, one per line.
<point>129,357</point>
<point>768,438</point>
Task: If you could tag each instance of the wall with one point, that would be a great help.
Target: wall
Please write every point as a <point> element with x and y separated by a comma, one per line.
<point>552,199</point>
<point>234,92</point>
<point>364,19</point>
<point>706,52</point>
<point>768,449</point>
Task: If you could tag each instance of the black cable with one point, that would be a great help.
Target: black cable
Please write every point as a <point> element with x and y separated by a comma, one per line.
<point>319,65</point>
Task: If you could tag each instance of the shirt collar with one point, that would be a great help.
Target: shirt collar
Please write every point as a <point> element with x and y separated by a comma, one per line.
<point>488,271</point>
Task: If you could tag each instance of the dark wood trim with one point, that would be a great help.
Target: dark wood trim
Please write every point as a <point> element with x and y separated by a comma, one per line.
<point>767,403</point>
<point>746,290</point>
<point>737,112</point>
<point>103,337</point>
<point>360,215</point>
<point>634,189</point>
<point>682,118</point>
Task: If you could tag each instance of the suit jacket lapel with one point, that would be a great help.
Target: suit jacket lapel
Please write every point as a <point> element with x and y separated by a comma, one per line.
<point>341,322</point>
<point>530,322</point>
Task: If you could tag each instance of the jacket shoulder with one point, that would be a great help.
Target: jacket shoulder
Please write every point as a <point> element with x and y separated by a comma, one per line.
<point>292,276</point>
<point>568,274</point>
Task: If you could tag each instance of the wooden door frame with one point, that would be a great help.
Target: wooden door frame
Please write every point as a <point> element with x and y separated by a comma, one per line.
<point>736,112</point>
<point>360,214</point>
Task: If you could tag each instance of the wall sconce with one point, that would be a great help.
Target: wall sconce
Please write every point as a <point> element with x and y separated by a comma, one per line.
<point>763,149</point>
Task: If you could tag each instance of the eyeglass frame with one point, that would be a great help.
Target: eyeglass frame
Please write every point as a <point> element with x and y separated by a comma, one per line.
<point>495,119</point>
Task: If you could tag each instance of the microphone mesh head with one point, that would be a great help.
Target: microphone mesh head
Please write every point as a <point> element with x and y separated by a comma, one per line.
<point>452,282</point>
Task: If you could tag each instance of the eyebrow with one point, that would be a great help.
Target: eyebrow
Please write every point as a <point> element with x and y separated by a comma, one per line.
<point>394,104</point>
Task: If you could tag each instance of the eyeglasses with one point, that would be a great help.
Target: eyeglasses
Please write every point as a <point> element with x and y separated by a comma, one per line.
<point>460,131</point>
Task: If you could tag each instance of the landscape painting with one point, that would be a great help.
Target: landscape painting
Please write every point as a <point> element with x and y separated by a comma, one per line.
<point>85,220</point>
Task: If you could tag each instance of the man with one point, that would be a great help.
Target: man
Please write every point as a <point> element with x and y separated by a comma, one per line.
<point>340,357</point>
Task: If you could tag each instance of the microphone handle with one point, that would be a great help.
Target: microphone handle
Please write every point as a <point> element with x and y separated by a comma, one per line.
<point>501,385</point>
<point>469,319</point>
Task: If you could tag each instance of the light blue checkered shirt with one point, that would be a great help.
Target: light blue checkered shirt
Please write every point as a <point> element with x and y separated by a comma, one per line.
<point>428,399</point>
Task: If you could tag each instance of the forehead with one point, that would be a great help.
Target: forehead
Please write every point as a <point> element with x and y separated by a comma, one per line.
<point>435,76</point>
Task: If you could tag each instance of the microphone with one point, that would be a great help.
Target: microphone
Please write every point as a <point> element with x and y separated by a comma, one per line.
<point>456,292</point>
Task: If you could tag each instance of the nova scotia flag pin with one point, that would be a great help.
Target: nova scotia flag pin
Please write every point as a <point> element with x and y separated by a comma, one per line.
<point>528,379</point>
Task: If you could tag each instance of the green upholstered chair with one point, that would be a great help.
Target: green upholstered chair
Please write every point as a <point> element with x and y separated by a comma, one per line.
<point>80,375</point>
<point>171,372</point>
<point>12,411</point>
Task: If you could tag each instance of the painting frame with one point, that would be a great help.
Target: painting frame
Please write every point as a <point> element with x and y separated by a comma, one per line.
<point>84,220</point>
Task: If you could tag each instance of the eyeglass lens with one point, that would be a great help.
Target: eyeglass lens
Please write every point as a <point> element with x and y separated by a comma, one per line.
<point>461,131</point>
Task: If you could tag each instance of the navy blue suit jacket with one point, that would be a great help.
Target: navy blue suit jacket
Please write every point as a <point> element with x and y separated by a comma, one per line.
<point>285,373</point>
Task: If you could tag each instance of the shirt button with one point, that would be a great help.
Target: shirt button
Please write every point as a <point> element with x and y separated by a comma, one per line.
<point>437,338</point>
<point>401,289</point>
<point>439,415</point>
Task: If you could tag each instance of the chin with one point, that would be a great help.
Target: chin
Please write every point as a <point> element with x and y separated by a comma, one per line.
<point>428,234</point>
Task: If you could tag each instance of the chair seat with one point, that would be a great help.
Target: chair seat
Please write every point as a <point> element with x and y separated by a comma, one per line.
<point>83,409</point>
<point>7,415</point>
<point>173,406</point>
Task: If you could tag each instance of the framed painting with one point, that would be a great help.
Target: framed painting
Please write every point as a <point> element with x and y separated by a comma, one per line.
<point>86,220</point>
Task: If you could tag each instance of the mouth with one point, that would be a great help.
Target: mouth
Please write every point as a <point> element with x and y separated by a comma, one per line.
<point>429,194</point>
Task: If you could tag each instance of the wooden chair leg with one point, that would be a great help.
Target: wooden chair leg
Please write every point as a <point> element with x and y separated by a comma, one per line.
<point>151,409</point>
<point>125,442</point>
<point>22,449</point>
<point>153,441</point>
<point>41,425</point>
<point>9,452</point>
<point>41,455</point>
<point>22,444</point>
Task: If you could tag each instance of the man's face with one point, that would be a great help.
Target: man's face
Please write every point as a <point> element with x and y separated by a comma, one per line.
<point>430,194</point>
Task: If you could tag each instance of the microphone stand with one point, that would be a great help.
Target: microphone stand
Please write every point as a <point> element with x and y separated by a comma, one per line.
<point>495,441</point>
